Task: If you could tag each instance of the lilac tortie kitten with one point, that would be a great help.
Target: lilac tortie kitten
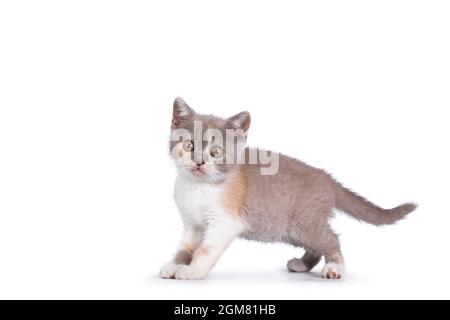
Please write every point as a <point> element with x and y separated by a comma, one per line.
<point>225,191</point>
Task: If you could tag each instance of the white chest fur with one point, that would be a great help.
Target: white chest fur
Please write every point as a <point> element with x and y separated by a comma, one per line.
<point>198,201</point>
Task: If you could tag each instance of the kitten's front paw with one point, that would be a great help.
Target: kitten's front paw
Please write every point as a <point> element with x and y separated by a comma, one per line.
<point>169,270</point>
<point>189,273</point>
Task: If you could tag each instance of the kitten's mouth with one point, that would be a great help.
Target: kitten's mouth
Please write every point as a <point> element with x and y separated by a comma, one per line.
<point>198,171</point>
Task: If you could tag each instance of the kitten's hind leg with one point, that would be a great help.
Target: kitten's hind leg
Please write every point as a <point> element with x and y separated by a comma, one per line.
<point>309,260</point>
<point>310,227</point>
<point>334,265</point>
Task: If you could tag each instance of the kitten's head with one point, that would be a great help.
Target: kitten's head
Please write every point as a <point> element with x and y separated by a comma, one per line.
<point>204,146</point>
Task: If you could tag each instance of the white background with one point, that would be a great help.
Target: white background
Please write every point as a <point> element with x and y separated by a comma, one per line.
<point>360,88</point>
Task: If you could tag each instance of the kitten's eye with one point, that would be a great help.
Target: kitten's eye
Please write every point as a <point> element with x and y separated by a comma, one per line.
<point>216,152</point>
<point>188,146</point>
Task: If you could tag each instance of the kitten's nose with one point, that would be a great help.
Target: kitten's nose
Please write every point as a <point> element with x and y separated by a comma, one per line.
<point>198,158</point>
<point>199,164</point>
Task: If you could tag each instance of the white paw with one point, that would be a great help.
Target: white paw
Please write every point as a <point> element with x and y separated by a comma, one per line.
<point>169,270</point>
<point>333,271</point>
<point>189,273</point>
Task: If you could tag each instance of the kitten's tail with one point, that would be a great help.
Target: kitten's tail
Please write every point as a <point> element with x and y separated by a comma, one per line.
<point>364,210</point>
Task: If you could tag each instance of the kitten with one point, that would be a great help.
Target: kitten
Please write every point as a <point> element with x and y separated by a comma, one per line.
<point>221,200</point>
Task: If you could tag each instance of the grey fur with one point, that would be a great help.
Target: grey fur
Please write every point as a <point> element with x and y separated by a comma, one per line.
<point>183,257</point>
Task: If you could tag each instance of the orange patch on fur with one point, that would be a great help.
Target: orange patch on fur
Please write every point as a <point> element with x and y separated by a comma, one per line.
<point>188,249</point>
<point>234,198</point>
<point>180,153</point>
<point>202,251</point>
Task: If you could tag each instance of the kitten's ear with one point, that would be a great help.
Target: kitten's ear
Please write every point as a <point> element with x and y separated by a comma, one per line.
<point>240,121</point>
<point>181,111</point>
